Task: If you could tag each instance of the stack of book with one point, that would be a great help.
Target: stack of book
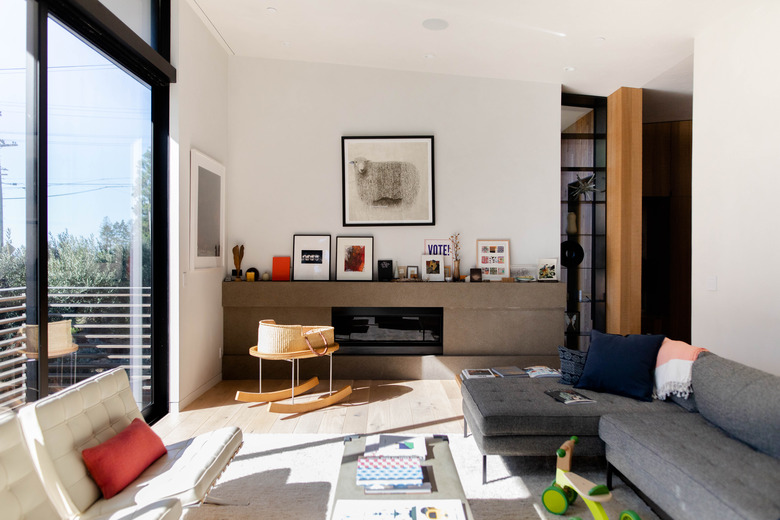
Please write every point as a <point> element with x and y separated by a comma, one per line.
<point>393,464</point>
<point>542,371</point>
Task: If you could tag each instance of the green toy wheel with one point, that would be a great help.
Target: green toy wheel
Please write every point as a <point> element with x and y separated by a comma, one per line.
<point>629,515</point>
<point>554,500</point>
<point>571,495</point>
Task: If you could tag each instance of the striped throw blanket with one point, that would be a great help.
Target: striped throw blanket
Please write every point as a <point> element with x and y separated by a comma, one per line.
<point>673,368</point>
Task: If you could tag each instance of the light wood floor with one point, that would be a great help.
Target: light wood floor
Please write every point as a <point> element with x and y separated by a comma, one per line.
<point>418,406</point>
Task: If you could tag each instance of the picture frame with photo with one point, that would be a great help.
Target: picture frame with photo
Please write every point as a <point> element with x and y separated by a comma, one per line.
<point>402,272</point>
<point>355,258</point>
<point>432,268</point>
<point>411,271</point>
<point>311,258</point>
<point>439,246</point>
<point>387,181</point>
<point>493,259</point>
<point>547,270</point>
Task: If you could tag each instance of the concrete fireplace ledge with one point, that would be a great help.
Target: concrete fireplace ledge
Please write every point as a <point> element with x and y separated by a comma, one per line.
<point>495,323</point>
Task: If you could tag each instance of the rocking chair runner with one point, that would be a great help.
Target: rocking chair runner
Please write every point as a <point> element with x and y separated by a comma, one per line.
<point>293,343</point>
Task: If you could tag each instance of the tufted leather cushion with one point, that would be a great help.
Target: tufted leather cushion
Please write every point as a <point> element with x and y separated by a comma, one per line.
<point>21,492</point>
<point>91,412</point>
<point>114,464</point>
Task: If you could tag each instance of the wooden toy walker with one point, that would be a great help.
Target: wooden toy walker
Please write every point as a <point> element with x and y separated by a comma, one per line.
<point>567,486</point>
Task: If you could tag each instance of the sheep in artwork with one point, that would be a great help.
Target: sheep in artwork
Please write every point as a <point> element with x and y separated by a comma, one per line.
<point>387,184</point>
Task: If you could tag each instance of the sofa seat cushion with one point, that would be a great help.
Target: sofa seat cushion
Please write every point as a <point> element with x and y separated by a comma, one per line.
<point>186,472</point>
<point>519,406</point>
<point>168,509</point>
<point>691,468</point>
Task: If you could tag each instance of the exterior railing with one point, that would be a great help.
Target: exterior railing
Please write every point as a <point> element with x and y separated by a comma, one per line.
<point>111,327</point>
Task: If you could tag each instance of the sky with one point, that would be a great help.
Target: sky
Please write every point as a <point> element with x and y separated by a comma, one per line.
<point>99,128</point>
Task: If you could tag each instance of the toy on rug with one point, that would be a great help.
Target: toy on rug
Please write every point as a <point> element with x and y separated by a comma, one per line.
<point>567,485</point>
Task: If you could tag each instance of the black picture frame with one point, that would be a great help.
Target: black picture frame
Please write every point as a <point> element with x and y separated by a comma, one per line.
<point>405,194</point>
<point>311,258</point>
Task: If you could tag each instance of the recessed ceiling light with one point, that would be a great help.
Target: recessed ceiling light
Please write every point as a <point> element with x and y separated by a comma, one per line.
<point>271,9</point>
<point>568,69</point>
<point>435,24</point>
<point>429,56</point>
<point>285,44</point>
<point>601,39</point>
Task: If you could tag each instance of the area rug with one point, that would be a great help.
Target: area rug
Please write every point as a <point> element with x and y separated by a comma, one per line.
<point>294,476</point>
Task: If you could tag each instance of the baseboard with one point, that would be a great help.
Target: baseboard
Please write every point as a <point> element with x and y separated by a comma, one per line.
<point>202,389</point>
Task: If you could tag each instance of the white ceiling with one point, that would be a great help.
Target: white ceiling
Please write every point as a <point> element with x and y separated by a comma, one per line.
<point>608,43</point>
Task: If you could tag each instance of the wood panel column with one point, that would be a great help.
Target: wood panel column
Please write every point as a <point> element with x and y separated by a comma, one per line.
<point>624,211</point>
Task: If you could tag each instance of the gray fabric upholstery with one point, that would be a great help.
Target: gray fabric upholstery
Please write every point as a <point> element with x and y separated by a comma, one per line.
<point>518,406</point>
<point>690,468</point>
<point>743,401</point>
<point>688,403</point>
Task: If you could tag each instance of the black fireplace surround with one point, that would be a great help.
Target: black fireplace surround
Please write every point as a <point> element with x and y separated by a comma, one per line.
<point>388,330</point>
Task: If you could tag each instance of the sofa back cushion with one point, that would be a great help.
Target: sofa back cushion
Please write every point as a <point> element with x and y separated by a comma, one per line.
<point>81,416</point>
<point>743,401</point>
<point>21,492</point>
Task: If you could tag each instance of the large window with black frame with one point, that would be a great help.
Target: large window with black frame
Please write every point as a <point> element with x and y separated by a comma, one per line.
<point>82,198</point>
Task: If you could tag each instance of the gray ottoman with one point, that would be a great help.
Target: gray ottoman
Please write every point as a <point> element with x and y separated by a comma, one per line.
<point>513,416</point>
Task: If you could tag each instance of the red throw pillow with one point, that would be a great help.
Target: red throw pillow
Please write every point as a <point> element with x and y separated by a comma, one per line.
<point>117,462</point>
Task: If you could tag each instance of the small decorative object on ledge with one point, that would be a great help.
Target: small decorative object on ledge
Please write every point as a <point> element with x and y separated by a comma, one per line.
<point>548,270</point>
<point>412,271</point>
<point>238,255</point>
<point>385,269</point>
<point>281,269</point>
<point>355,258</point>
<point>252,275</point>
<point>493,259</point>
<point>476,275</point>
<point>455,239</point>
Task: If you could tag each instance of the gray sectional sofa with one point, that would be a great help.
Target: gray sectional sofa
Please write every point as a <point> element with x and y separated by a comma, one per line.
<point>720,461</point>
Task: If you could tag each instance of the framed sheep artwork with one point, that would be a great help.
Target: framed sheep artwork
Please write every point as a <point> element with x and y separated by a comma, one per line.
<point>387,181</point>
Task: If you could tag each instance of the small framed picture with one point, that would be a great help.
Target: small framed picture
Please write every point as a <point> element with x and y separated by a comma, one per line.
<point>475,275</point>
<point>412,272</point>
<point>311,258</point>
<point>547,270</point>
<point>439,246</point>
<point>385,270</point>
<point>401,272</point>
<point>355,259</point>
<point>433,268</point>
<point>493,259</point>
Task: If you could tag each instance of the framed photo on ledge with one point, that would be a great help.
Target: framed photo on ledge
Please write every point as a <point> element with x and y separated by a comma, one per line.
<point>355,259</point>
<point>548,270</point>
<point>387,181</point>
<point>493,259</point>
<point>433,268</point>
<point>311,258</point>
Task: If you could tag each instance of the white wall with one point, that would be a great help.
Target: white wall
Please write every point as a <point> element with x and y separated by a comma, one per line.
<point>736,253</point>
<point>198,120</point>
<point>497,156</point>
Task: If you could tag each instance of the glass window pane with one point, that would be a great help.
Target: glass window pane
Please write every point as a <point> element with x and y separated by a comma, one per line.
<point>136,14</point>
<point>13,366</point>
<point>99,188</point>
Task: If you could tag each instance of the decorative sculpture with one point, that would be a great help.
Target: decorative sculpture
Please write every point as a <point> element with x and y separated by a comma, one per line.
<point>238,255</point>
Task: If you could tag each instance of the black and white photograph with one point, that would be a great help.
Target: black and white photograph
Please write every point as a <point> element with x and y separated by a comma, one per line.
<point>387,181</point>
<point>311,258</point>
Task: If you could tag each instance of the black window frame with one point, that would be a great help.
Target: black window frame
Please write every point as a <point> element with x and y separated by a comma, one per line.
<point>98,26</point>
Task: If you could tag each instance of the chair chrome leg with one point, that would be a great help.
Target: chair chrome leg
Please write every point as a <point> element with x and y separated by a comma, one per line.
<point>484,469</point>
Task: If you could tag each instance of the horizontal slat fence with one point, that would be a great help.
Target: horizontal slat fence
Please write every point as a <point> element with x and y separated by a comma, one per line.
<point>111,327</point>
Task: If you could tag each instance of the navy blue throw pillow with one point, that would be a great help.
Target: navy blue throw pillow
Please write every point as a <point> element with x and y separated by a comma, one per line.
<point>572,363</point>
<point>621,365</point>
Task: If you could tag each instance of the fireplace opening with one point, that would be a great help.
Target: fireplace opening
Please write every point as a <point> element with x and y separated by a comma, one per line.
<point>388,330</point>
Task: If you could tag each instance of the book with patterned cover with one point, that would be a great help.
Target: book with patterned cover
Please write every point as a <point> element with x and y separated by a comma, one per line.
<point>389,470</point>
